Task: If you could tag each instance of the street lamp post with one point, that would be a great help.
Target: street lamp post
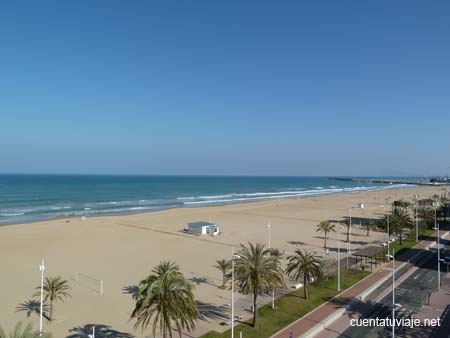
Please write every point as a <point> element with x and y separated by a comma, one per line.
<point>438,257</point>
<point>273,291</point>
<point>233,257</point>
<point>360,206</point>
<point>393,291</point>
<point>436,227</point>
<point>41,269</point>
<point>388,224</point>
<point>416,218</point>
<point>388,234</point>
<point>93,333</point>
<point>349,234</point>
<point>387,227</point>
<point>339,259</point>
<point>435,217</point>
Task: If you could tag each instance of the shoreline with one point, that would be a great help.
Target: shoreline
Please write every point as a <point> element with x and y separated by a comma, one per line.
<point>215,204</point>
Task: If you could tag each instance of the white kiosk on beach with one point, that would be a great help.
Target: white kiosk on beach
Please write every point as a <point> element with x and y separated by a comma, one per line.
<point>203,228</point>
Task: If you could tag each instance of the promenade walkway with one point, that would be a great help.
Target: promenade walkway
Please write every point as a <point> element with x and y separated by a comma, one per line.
<point>439,307</point>
<point>317,317</point>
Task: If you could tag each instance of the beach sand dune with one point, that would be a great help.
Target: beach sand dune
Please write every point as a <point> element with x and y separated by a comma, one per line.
<point>121,250</point>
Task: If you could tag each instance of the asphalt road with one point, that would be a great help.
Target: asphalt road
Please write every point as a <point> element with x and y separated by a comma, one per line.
<point>411,294</point>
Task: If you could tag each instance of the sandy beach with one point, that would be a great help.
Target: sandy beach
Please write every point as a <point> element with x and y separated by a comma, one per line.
<point>121,250</point>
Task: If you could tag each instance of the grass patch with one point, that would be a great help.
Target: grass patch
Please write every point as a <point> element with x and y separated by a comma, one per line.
<point>291,307</point>
<point>409,242</point>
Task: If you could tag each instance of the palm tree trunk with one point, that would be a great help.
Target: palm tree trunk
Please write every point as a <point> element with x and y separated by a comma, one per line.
<point>255,296</point>
<point>51,311</point>
<point>325,241</point>
<point>305,286</point>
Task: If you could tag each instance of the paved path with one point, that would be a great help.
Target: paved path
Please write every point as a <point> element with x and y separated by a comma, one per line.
<point>439,307</point>
<point>378,305</point>
<point>307,322</point>
<point>310,320</point>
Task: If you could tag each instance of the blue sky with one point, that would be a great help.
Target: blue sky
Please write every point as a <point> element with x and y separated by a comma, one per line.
<point>230,87</point>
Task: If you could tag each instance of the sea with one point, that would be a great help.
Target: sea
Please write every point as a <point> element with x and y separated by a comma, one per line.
<point>30,198</point>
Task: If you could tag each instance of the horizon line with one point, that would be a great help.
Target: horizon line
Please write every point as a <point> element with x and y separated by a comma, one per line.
<point>208,175</point>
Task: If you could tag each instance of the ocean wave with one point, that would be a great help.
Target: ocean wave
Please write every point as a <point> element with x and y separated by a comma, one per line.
<point>287,194</point>
<point>99,205</point>
<point>216,196</point>
<point>253,194</point>
<point>231,200</point>
<point>57,207</point>
<point>12,214</point>
<point>105,211</point>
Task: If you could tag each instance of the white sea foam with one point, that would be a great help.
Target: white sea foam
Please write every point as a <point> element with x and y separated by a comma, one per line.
<point>100,205</point>
<point>234,198</point>
<point>12,214</point>
<point>57,207</point>
<point>250,195</point>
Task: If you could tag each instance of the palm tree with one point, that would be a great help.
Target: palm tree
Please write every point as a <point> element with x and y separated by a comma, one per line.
<point>166,298</point>
<point>348,225</point>
<point>401,204</point>
<point>224,266</point>
<point>382,223</point>
<point>33,306</point>
<point>436,197</point>
<point>426,215</point>
<point>367,223</point>
<point>274,252</point>
<point>55,289</point>
<point>444,207</point>
<point>400,220</point>
<point>304,264</point>
<point>325,227</point>
<point>26,332</point>
<point>257,272</point>
<point>426,202</point>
